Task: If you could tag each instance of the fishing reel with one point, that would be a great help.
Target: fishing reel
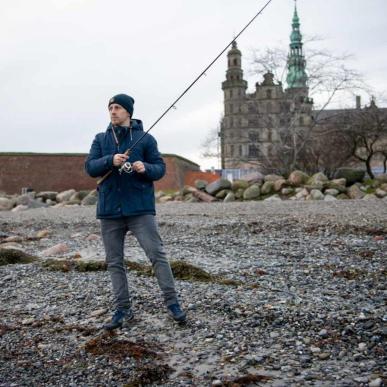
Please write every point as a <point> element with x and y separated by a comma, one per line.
<point>126,167</point>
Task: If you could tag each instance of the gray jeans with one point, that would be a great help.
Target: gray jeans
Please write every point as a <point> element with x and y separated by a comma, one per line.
<point>144,228</point>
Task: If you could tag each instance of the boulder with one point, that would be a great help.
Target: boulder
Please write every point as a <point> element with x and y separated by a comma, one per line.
<point>342,196</point>
<point>267,188</point>
<point>159,194</point>
<point>273,198</point>
<point>188,189</point>
<point>239,193</point>
<point>380,193</point>
<point>351,175</point>
<point>230,197</point>
<point>203,196</point>
<point>279,184</point>
<point>222,194</point>
<point>59,249</point>
<point>302,194</point>
<point>317,179</point>
<point>329,198</point>
<point>317,185</point>
<point>165,199</point>
<point>339,187</point>
<point>253,177</point>
<point>383,187</point>
<point>28,201</point>
<point>297,178</point>
<point>6,204</point>
<point>382,178</point>
<point>370,197</point>
<point>90,199</point>
<point>287,191</point>
<point>201,184</point>
<point>252,192</point>
<point>341,181</point>
<point>65,196</point>
<point>218,185</point>
<point>354,192</point>
<point>20,207</point>
<point>45,195</point>
<point>316,194</point>
<point>191,199</point>
<point>78,196</point>
<point>272,177</point>
<point>331,192</point>
<point>237,184</point>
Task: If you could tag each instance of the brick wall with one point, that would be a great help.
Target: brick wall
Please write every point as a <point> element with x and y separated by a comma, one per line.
<point>191,176</point>
<point>58,172</point>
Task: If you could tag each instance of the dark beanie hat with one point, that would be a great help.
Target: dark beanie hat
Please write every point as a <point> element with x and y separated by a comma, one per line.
<point>125,101</point>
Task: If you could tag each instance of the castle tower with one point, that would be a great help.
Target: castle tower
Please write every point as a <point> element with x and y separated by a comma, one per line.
<point>234,88</point>
<point>297,78</point>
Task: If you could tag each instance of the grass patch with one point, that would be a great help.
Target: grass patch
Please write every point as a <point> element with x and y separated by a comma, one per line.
<point>66,265</point>
<point>14,256</point>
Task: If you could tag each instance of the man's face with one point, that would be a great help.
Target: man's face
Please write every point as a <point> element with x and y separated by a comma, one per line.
<point>118,115</point>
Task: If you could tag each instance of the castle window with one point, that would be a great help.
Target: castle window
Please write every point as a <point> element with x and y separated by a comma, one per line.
<point>268,94</point>
<point>240,150</point>
<point>235,62</point>
<point>231,108</point>
<point>230,93</point>
<point>253,151</point>
<point>231,150</point>
<point>253,137</point>
<point>232,77</point>
<point>237,77</point>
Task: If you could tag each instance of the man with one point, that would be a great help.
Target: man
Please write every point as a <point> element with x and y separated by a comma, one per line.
<point>126,203</point>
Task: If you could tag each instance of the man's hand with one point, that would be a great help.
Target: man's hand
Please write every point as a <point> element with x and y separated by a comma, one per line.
<point>119,159</point>
<point>138,166</point>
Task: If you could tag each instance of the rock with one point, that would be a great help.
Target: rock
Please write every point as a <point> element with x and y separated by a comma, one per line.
<point>273,178</point>
<point>58,249</point>
<point>302,194</point>
<point>20,207</point>
<point>351,175</point>
<point>239,193</point>
<point>323,333</point>
<point>14,238</point>
<point>218,185</point>
<point>382,178</point>
<point>324,355</point>
<point>12,245</point>
<point>342,196</point>
<point>253,177</point>
<point>380,193</point>
<point>287,191</point>
<point>267,188</point>
<point>203,196</point>
<point>188,189</point>
<point>354,192</point>
<point>42,234</point>
<point>274,198</point>
<point>98,312</point>
<point>329,198</point>
<point>65,196</point>
<point>375,383</point>
<point>230,197</point>
<point>222,194</point>
<point>93,237</point>
<point>25,199</point>
<point>342,182</point>
<point>370,197</point>
<point>317,179</point>
<point>251,193</point>
<point>79,196</point>
<point>362,346</point>
<point>201,184</point>
<point>297,178</point>
<point>45,195</point>
<point>279,184</point>
<point>6,204</point>
<point>316,194</point>
<point>28,321</point>
<point>159,194</point>
<point>165,199</point>
<point>90,199</point>
<point>331,191</point>
<point>237,184</point>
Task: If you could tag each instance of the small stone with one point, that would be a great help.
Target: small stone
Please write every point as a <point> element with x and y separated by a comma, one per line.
<point>362,346</point>
<point>98,312</point>
<point>323,333</point>
<point>58,249</point>
<point>324,355</point>
<point>93,237</point>
<point>42,234</point>
<point>375,383</point>
<point>217,382</point>
<point>28,321</point>
<point>315,349</point>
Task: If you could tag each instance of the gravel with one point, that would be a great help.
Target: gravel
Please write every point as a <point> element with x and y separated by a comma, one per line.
<point>309,310</point>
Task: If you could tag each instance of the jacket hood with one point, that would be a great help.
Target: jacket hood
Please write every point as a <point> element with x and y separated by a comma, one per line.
<point>135,125</point>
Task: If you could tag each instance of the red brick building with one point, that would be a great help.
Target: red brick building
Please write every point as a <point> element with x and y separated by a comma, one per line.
<point>62,171</point>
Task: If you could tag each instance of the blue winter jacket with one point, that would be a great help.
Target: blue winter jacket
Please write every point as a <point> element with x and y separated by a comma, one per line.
<point>125,194</point>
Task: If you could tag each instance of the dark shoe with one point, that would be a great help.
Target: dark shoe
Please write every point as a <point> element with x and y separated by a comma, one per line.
<point>176,313</point>
<point>118,319</point>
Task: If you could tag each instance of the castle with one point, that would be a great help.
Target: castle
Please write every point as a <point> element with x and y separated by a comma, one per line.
<point>252,122</point>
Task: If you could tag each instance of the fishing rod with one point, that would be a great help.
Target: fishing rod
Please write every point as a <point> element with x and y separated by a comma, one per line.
<point>127,166</point>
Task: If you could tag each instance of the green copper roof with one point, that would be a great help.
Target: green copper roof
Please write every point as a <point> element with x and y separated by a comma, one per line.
<point>296,63</point>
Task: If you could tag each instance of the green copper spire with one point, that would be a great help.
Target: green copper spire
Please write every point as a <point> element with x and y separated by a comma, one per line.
<point>296,77</point>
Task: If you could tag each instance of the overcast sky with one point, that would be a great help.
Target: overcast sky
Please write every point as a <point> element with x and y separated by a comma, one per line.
<point>63,59</point>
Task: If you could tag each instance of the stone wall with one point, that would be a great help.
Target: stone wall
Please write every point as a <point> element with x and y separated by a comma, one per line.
<point>59,172</point>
